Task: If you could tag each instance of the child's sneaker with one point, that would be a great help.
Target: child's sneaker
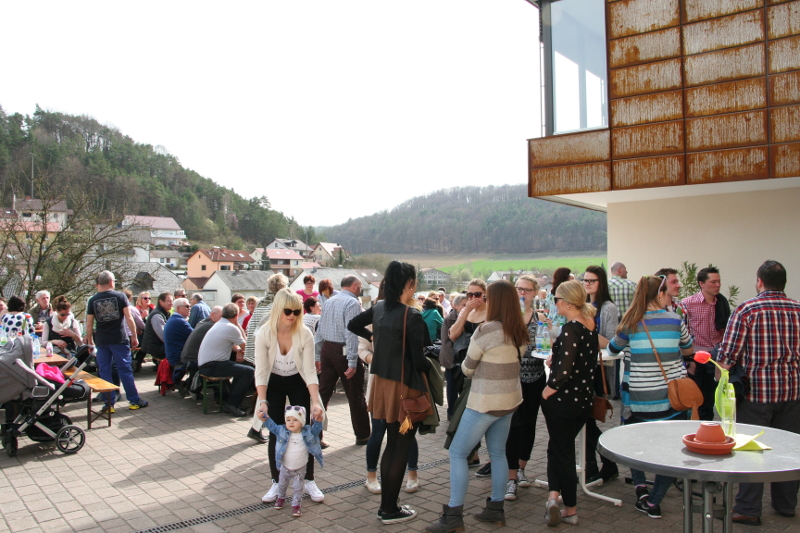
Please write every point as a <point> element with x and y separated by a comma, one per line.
<point>296,511</point>
<point>279,503</point>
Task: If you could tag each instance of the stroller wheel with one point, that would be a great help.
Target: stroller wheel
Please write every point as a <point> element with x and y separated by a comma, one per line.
<point>70,439</point>
<point>10,444</point>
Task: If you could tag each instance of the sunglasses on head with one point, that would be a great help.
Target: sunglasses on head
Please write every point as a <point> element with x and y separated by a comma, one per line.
<point>474,294</point>
<point>297,407</point>
<point>295,312</point>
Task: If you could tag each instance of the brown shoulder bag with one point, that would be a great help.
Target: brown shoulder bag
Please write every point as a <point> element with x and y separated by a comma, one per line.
<point>412,410</point>
<point>683,393</point>
<point>601,404</point>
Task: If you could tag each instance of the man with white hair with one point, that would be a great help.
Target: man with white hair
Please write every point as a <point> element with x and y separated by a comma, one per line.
<point>41,310</point>
<point>200,310</point>
<point>176,331</point>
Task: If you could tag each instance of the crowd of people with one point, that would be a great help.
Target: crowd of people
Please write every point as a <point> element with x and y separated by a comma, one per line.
<point>473,352</point>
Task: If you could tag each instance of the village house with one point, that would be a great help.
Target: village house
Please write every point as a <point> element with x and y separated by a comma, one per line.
<point>223,284</point>
<point>205,262</point>
<point>287,262</point>
<point>164,231</point>
<point>328,254</point>
<point>432,276</point>
<point>292,244</point>
<point>680,115</point>
<point>168,258</point>
<point>31,214</point>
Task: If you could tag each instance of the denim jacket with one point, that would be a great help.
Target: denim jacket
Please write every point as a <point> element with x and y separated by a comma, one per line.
<point>310,438</point>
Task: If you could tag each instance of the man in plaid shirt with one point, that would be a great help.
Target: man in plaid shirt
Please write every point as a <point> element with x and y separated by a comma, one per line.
<point>763,335</point>
<point>621,290</point>
<point>701,317</point>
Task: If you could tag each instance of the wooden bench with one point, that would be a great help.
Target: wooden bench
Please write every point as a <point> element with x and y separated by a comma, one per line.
<point>96,385</point>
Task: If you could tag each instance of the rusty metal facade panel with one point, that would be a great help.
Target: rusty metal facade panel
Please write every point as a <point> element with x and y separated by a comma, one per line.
<point>584,147</point>
<point>650,139</point>
<point>779,1</point>
<point>649,78</point>
<point>594,177</point>
<point>783,20</point>
<point>726,32</point>
<point>784,88</point>
<point>726,131</point>
<point>785,123</point>
<point>727,165</point>
<point>664,44</point>
<point>629,17</point>
<point>726,97</point>
<point>785,160</point>
<point>784,54</point>
<point>657,107</point>
<point>725,65</point>
<point>648,172</point>
<point>706,9</point>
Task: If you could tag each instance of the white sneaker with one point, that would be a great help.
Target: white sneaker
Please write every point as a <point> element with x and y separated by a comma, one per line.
<point>522,481</point>
<point>373,486</point>
<point>412,485</point>
<point>313,491</point>
<point>272,494</point>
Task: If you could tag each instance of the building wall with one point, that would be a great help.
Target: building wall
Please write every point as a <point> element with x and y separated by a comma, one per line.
<point>700,91</point>
<point>194,266</point>
<point>736,232</point>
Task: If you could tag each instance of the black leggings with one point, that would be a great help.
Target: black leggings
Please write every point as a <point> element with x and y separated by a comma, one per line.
<point>521,436</point>
<point>393,465</point>
<point>280,388</point>
<point>563,427</point>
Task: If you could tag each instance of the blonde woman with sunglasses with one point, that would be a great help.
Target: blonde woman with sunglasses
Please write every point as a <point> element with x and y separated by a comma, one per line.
<point>285,369</point>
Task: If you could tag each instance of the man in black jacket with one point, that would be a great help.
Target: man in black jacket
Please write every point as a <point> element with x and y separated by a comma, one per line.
<point>153,342</point>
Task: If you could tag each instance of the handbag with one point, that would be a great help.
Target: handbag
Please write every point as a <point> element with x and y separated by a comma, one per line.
<point>683,393</point>
<point>412,410</point>
<point>601,405</point>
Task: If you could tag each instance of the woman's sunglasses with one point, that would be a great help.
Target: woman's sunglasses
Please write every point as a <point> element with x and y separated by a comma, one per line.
<point>295,312</point>
<point>474,294</point>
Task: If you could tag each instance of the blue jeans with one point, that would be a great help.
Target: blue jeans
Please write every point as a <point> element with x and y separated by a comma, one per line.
<point>472,427</point>
<point>374,447</point>
<point>661,483</point>
<point>120,354</point>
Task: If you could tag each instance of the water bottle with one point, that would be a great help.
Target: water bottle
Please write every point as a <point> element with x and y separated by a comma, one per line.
<point>539,338</point>
<point>49,349</point>
<point>37,346</point>
<point>522,304</point>
<point>545,339</point>
<point>728,411</point>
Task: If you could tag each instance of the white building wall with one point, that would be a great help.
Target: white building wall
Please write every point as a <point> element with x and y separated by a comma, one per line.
<point>735,231</point>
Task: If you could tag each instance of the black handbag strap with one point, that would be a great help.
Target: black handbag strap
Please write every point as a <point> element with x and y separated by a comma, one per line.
<point>403,357</point>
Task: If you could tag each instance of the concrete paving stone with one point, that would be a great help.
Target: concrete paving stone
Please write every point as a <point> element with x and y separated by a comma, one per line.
<point>142,522</point>
<point>21,524</point>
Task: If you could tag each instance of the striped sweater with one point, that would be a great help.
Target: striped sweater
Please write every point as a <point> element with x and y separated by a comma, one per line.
<point>644,388</point>
<point>493,364</point>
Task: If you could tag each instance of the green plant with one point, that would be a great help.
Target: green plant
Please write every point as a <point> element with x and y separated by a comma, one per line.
<point>687,274</point>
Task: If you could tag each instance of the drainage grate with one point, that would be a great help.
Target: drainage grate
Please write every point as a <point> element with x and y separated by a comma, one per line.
<point>261,506</point>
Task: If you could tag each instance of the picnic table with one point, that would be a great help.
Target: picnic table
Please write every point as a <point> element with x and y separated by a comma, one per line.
<point>54,359</point>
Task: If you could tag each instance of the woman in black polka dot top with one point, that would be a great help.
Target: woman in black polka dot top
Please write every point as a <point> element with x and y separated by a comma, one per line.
<point>568,397</point>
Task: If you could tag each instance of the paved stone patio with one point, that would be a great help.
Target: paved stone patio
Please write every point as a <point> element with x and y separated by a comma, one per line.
<point>170,468</point>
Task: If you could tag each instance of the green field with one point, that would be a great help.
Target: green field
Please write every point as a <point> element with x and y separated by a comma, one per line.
<point>576,263</point>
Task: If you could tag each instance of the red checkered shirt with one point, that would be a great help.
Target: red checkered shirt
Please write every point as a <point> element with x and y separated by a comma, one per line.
<point>764,334</point>
<point>699,314</point>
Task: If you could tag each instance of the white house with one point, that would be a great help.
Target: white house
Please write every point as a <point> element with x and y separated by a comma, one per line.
<point>327,253</point>
<point>432,276</point>
<point>222,284</point>
<point>163,230</point>
<point>170,258</point>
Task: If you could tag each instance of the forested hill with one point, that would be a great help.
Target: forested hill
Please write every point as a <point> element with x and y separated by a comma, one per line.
<point>473,219</point>
<point>76,154</point>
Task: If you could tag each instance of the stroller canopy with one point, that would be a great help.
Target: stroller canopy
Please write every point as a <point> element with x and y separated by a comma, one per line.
<point>14,380</point>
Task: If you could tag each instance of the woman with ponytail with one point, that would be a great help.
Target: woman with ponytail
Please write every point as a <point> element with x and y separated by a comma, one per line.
<point>645,325</point>
<point>568,397</point>
<point>394,325</point>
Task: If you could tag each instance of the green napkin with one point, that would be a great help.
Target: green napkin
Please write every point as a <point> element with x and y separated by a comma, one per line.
<point>748,443</point>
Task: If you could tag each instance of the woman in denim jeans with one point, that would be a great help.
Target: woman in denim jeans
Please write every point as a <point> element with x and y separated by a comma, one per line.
<point>493,363</point>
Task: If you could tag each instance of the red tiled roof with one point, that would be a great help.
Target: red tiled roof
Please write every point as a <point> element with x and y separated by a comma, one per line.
<point>223,254</point>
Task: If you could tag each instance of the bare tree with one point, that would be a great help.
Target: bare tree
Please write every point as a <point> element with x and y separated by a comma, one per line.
<point>45,251</point>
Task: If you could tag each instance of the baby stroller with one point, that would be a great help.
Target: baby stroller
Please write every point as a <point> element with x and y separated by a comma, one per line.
<point>31,401</point>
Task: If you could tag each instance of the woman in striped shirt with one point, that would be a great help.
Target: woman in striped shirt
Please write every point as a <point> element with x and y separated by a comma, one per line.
<point>645,325</point>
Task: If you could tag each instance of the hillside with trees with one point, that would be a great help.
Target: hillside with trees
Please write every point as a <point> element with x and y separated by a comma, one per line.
<point>474,219</point>
<point>77,153</point>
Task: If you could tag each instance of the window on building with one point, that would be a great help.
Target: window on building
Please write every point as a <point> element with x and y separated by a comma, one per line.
<point>225,267</point>
<point>574,65</point>
<point>202,267</point>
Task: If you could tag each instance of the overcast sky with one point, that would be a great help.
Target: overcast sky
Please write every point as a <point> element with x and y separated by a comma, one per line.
<point>333,109</point>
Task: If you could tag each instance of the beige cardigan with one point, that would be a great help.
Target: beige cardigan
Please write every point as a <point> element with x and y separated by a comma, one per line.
<point>266,349</point>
